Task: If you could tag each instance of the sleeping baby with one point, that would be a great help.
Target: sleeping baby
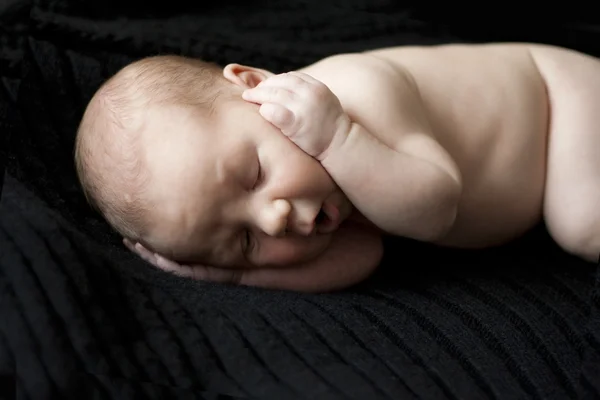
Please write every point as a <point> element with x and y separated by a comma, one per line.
<point>289,180</point>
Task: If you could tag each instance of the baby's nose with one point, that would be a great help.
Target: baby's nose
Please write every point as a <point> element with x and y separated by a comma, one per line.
<point>276,222</point>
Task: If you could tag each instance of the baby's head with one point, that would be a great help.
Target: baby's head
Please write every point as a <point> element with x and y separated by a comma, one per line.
<point>173,157</point>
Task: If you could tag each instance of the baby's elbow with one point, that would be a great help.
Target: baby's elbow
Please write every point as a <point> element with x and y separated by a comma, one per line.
<point>443,211</point>
<point>444,223</point>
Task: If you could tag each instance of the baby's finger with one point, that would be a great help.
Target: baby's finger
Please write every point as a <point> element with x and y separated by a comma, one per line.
<point>129,245</point>
<point>278,115</point>
<point>144,254</point>
<point>166,264</point>
<point>173,267</point>
<point>199,272</point>
<point>269,94</point>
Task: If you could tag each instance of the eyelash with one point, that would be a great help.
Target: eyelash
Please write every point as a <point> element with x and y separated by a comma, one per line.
<point>247,244</point>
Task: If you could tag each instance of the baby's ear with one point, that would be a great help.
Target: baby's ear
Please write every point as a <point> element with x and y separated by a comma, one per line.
<point>244,76</point>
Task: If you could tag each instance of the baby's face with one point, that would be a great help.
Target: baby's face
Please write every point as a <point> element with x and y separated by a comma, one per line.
<point>231,190</point>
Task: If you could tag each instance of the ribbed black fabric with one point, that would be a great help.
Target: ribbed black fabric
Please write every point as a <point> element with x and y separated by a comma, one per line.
<point>83,319</point>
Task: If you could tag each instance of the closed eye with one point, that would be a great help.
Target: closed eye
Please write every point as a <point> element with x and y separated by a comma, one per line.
<point>247,243</point>
<point>259,177</point>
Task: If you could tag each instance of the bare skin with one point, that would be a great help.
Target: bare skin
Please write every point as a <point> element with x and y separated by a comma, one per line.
<point>462,145</point>
<point>484,121</point>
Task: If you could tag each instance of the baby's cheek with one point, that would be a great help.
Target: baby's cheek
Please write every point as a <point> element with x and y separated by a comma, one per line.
<point>281,252</point>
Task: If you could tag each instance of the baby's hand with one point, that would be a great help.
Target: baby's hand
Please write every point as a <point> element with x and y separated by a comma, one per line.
<point>303,108</point>
<point>197,271</point>
<point>354,253</point>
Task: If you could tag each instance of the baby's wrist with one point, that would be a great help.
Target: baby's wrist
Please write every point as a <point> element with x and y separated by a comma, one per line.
<point>343,127</point>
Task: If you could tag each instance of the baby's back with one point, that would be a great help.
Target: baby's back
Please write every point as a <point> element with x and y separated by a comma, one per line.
<point>488,107</point>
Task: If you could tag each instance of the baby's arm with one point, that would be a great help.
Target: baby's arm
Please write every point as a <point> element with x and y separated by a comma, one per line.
<point>403,193</point>
<point>411,190</point>
<point>378,148</point>
<point>389,163</point>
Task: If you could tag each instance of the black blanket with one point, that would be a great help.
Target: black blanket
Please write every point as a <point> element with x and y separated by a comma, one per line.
<point>81,318</point>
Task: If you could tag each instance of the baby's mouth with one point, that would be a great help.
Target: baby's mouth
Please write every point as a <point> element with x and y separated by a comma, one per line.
<point>321,217</point>
<point>328,219</point>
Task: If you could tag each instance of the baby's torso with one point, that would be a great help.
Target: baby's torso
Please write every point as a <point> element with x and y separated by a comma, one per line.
<point>488,107</point>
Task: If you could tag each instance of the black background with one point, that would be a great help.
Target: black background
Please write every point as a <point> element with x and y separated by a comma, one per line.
<point>82,318</point>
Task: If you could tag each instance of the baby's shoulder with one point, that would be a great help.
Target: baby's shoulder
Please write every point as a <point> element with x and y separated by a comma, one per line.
<point>356,69</point>
<point>349,64</point>
<point>358,79</point>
